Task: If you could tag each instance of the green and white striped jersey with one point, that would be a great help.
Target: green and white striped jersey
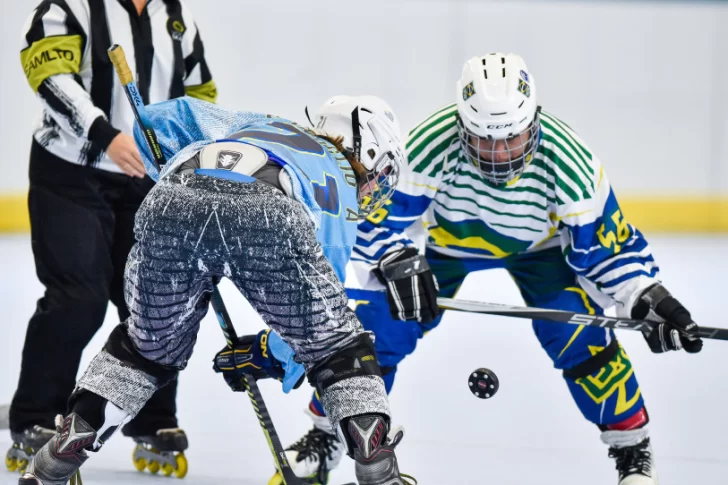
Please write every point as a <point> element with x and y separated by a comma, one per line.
<point>562,198</point>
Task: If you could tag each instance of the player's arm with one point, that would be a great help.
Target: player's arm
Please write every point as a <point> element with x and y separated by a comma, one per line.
<point>52,50</point>
<point>602,247</point>
<point>53,45</point>
<point>384,254</point>
<point>198,79</point>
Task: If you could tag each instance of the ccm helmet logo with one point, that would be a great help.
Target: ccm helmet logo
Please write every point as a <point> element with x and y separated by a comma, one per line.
<point>499,127</point>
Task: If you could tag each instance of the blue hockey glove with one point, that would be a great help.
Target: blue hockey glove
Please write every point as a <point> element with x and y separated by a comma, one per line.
<point>261,356</point>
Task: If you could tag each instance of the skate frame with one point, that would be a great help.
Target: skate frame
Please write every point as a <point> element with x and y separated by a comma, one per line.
<point>118,59</point>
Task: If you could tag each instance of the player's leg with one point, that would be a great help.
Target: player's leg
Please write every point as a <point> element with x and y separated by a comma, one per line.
<point>597,370</point>
<point>167,292</point>
<point>319,451</point>
<point>71,228</point>
<point>282,271</point>
<point>155,428</point>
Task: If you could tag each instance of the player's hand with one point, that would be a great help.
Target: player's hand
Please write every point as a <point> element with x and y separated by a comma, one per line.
<point>124,153</point>
<point>676,329</point>
<point>261,356</point>
<point>411,286</point>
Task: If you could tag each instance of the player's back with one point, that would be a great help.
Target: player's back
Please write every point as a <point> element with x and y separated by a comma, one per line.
<point>322,178</point>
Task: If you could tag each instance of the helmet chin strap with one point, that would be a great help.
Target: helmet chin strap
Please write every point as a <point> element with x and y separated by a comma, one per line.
<point>305,110</point>
<point>357,133</point>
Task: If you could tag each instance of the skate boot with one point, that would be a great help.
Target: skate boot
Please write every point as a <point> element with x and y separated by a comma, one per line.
<point>25,445</point>
<point>162,451</point>
<point>57,462</point>
<point>375,461</point>
<point>634,456</point>
<point>315,455</point>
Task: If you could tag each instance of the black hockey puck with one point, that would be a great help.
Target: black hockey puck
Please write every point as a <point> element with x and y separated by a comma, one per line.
<point>483,383</point>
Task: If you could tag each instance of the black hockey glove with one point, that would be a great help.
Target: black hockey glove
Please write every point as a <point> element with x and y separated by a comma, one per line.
<point>250,355</point>
<point>676,329</point>
<point>411,286</point>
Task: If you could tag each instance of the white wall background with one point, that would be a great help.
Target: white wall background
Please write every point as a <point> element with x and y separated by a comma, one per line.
<point>644,83</point>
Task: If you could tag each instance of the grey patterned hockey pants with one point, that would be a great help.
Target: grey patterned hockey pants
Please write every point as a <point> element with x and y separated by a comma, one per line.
<point>191,231</point>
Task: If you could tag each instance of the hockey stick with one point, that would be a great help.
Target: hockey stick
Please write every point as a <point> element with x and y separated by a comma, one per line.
<point>118,59</point>
<point>564,316</point>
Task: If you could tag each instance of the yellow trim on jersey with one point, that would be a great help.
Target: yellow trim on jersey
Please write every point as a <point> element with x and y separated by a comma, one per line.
<point>205,92</point>
<point>444,239</point>
<point>584,298</point>
<point>427,186</point>
<point>556,218</point>
<point>59,54</point>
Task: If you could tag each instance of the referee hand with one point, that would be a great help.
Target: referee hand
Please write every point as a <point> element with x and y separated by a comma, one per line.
<point>123,152</point>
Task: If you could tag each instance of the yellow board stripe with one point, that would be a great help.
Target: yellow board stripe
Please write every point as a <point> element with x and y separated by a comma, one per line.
<point>649,214</point>
<point>677,213</point>
<point>14,213</point>
<point>60,54</point>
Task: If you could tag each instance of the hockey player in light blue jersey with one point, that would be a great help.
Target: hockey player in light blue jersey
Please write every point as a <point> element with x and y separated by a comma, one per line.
<point>497,183</point>
<point>274,208</point>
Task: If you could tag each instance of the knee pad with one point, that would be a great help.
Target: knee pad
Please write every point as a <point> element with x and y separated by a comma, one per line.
<point>349,383</point>
<point>120,346</point>
<point>356,360</point>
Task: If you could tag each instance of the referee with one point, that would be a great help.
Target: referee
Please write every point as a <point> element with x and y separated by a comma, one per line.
<point>87,181</point>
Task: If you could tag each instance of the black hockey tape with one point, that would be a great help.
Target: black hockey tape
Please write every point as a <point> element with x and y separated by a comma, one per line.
<point>594,363</point>
<point>483,383</point>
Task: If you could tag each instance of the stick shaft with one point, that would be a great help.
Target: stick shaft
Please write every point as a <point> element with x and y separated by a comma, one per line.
<point>118,59</point>
<point>564,316</point>
<point>256,397</point>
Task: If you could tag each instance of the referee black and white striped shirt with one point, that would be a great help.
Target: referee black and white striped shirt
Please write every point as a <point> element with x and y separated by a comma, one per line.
<point>65,61</point>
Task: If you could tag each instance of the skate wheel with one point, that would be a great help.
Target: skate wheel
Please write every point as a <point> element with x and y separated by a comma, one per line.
<point>153,467</point>
<point>276,479</point>
<point>22,465</point>
<point>182,466</point>
<point>483,383</point>
<point>11,463</point>
<point>139,463</point>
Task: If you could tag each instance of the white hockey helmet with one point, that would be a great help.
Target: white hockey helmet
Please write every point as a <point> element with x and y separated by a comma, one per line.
<point>498,115</point>
<point>371,134</point>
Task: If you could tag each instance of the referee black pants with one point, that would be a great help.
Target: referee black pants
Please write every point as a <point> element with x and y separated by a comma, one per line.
<point>82,222</point>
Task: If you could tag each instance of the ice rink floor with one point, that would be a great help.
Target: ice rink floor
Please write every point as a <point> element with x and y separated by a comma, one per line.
<point>530,433</point>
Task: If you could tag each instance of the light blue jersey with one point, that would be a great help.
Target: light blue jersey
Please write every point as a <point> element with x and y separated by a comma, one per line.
<point>322,178</point>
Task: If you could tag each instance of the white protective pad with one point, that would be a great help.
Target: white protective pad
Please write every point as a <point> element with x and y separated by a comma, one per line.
<point>233,156</point>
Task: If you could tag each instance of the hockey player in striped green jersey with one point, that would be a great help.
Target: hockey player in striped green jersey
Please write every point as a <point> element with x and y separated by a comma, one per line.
<point>497,183</point>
